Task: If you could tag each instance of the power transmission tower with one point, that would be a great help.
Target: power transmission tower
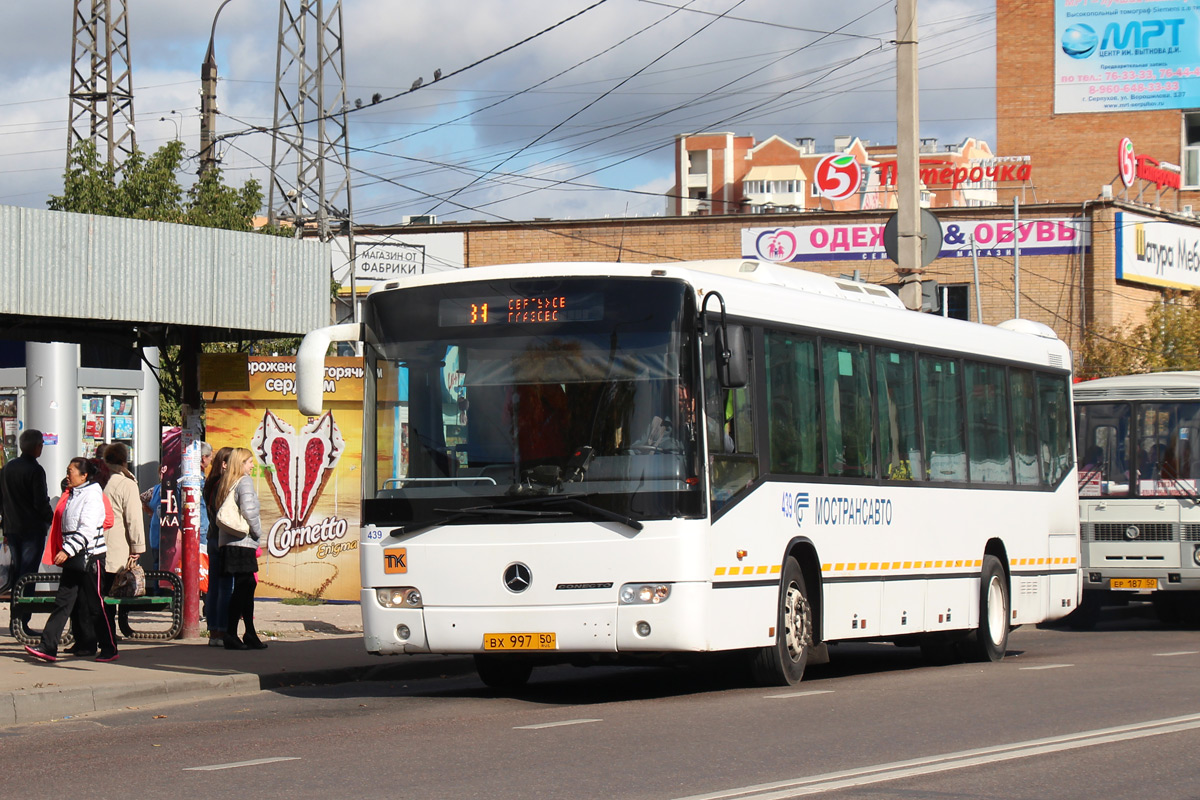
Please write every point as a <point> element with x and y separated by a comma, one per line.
<point>310,139</point>
<point>101,100</point>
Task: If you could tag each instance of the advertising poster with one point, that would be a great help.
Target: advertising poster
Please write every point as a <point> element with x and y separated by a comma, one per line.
<point>1157,252</point>
<point>1133,55</point>
<point>864,242</point>
<point>307,473</point>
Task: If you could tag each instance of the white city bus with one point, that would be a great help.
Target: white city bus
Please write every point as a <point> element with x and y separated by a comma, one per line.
<point>583,462</point>
<point>1139,513</point>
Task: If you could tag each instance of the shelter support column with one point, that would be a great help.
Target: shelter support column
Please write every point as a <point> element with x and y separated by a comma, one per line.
<point>52,405</point>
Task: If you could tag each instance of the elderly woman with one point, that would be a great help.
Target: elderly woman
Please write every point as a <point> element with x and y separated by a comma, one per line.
<point>81,556</point>
<point>126,539</point>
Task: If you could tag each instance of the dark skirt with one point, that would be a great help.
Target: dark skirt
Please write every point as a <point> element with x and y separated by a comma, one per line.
<point>237,560</point>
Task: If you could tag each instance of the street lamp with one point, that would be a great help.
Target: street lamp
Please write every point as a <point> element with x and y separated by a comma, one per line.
<point>172,120</point>
<point>208,100</point>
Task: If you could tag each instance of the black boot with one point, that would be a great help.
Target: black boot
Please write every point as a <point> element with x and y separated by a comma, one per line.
<point>234,643</point>
<point>253,642</point>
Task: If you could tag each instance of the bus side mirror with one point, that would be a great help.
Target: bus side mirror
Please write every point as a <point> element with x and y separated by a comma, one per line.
<point>733,370</point>
<point>310,363</point>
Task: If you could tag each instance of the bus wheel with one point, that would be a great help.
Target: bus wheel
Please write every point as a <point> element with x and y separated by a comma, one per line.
<point>990,639</point>
<point>782,664</point>
<point>503,673</point>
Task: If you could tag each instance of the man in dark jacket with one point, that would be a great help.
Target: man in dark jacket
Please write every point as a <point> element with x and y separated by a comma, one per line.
<point>26,507</point>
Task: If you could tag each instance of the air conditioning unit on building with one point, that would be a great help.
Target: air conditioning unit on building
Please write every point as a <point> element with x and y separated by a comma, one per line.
<point>421,219</point>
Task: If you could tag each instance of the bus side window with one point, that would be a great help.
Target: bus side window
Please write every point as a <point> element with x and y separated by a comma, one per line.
<point>900,443</point>
<point>942,414</point>
<point>1055,429</point>
<point>794,405</point>
<point>849,430</point>
<point>1025,433</point>
<point>730,430</point>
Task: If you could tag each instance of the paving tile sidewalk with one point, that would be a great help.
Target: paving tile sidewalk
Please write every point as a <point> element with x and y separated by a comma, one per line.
<point>319,644</point>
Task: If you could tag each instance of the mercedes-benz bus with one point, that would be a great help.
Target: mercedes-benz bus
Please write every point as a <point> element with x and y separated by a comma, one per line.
<point>589,462</point>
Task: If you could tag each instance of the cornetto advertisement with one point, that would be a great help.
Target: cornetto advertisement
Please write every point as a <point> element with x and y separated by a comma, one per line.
<point>307,472</point>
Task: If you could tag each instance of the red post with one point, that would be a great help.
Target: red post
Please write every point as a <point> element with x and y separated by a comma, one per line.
<point>191,558</point>
<point>189,529</point>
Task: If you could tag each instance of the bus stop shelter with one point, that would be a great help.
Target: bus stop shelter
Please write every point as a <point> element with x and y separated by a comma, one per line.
<point>131,285</point>
<point>123,283</point>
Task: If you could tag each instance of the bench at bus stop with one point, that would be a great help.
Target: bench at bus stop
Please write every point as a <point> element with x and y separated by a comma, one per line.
<point>164,599</point>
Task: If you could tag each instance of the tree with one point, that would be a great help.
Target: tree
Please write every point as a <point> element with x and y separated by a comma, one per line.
<point>148,188</point>
<point>1168,340</point>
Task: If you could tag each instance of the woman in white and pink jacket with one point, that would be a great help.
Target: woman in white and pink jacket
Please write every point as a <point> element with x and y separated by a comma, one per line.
<point>82,560</point>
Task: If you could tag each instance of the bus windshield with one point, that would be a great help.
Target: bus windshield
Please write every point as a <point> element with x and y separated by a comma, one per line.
<point>533,400</point>
<point>1140,449</point>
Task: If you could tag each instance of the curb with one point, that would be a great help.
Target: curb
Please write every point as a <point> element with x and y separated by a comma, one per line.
<point>47,705</point>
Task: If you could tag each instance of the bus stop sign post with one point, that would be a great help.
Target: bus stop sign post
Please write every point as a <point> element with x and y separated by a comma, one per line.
<point>189,530</point>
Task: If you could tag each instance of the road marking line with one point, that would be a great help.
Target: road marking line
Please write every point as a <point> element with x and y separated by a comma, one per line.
<point>798,694</point>
<point>1049,666</point>
<point>235,764</point>
<point>1177,653</point>
<point>554,724</point>
<point>880,773</point>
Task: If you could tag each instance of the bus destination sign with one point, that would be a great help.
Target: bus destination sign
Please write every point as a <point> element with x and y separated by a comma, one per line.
<point>519,310</point>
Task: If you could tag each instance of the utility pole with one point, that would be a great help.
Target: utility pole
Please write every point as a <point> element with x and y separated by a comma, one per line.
<point>310,54</point>
<point>101,97</point>
<point>908,190</point>
<point>208,101</point>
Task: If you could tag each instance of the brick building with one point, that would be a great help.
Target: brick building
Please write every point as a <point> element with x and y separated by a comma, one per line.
<point>1067,264</point>
<point>1074,153</point>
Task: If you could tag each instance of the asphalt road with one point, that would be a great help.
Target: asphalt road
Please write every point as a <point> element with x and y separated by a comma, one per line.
<point>1109,713</point>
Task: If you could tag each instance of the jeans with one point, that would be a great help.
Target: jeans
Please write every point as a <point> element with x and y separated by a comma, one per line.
<point>26,555</point>
<point>220,589</point>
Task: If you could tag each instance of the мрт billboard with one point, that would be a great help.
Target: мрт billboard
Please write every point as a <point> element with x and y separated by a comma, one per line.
<point>1133,55</point>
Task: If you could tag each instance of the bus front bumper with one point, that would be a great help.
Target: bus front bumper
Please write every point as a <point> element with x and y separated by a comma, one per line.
<point>675,625</point>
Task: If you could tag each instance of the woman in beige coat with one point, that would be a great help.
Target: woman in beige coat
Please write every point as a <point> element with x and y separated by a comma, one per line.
<point>126,539</point>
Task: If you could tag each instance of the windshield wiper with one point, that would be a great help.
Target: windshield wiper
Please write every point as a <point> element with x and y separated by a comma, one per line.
<point>577,503</point>
<point>454,514</point>
<point>516,509</point>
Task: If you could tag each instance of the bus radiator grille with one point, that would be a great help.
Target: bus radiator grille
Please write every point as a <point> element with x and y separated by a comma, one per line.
<point>1147,531</point>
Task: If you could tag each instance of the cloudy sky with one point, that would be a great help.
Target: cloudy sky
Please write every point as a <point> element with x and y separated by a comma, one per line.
<point>577,122</point>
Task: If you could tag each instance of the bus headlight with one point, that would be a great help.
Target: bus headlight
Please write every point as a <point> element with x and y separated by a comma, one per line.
<point>399,597</point>
<point>641,593</point>
<point>1196,555</point>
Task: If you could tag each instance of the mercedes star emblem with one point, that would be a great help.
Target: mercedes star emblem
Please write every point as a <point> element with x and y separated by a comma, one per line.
<point>518,577</point>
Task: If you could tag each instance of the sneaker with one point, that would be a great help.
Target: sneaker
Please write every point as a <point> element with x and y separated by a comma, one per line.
<point>81,652</point>
<point>38,654</point>
<point>216,641</point>
<point>104,658</point>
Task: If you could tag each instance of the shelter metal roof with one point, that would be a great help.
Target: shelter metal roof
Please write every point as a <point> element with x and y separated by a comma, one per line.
<point>74,277</point>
